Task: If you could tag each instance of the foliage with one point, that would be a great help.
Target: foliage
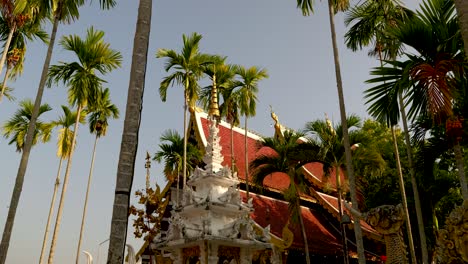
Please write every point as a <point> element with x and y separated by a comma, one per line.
<point>289,154</point>
<point>16,127</point>
<point>148,218</point>
<point>171,151</point>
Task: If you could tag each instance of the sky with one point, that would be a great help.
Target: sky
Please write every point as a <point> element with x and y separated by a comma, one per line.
<point>272,34</point>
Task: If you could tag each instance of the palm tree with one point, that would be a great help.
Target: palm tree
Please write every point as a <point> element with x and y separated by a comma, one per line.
<point>332,156</point>
<point>128,149</point>
<point>306,7</point>
<point>17,47</point>
<point>65,136</point>
<point>188,66</point>
<point>427,77</point>
<point>290,153</point>
<point>462,11</point>
<point>14,20</point>
<point>100,111</point>
<point>371,21</point>
<point>94,55</point>
<point>248,89</point>
<point>17,126</point>
<point>172,151</point>
<point>64,11</point>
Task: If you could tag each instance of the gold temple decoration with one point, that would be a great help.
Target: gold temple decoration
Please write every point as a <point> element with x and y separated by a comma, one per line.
<point>452,241</point>
<point>278,132</point>
<point>214,109</point>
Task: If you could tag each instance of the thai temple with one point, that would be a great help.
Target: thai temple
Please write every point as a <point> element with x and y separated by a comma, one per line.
<point>211,220</point>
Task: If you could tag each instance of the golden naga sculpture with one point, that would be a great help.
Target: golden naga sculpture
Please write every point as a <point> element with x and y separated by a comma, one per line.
<point>452,242</point>
<point>387,220</point>
<point>278,132</point>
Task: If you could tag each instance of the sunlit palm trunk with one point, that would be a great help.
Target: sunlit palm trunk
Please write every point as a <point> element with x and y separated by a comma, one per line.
<point>414,184</point>
<point>340,212</point>
<point>403,197</point>
<point>26,150</point>
<point>83,218</point>
<point>7,47</point>
<point>58,218</point>
<point>51,212</point>
<point>184,173</point>
<point>129,145</point>
<point>461,169</point>
<point>349,166</point>
<point>246,161</point>
<point>304,235</point>
<point>462,11</point>
<point>7,75</point>
<point>232,147</point>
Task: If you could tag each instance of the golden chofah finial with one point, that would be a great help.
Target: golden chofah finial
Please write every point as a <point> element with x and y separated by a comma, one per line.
<point>278,132</point>
<point>274,116</point>
<point>214,109</point>
<point>329,124</point>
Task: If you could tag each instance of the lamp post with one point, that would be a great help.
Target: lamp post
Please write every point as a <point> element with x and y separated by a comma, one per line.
<point>99,247</point>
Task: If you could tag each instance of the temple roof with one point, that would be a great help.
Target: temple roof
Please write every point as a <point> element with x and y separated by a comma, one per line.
<point>321,236</point>
<point>277,181</point>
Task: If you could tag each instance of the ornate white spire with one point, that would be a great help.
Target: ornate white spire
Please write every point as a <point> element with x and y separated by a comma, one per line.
<point>213,157</point>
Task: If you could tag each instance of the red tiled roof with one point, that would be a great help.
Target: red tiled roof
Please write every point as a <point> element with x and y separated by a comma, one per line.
<point>269,211</point>
<point>331,204</point>
<point>313,171</point>
<point>277,181</point>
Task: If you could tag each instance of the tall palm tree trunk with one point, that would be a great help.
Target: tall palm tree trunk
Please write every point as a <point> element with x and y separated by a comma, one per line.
<point>90,176</point>
<point>462,12</point>
<point>340,212</point>
<point>185,137</point>
<point>7,46</point>
<point>129,146</point>
<point>349,165</point>
<point>461,169</point>
<point>403,196</point>
<point>51,212</point>
<point>26,150</point>
<point>7,75</point>
<point>246,161</point>
<point>304,234</point>
<point>414,184</point>
<point>58,218</point>
<point>232,147</point>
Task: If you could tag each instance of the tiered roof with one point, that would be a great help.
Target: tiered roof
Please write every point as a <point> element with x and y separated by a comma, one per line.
<point>323,236</point>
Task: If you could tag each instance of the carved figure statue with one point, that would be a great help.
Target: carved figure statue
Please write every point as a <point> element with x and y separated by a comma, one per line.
<point>176,228</point>
<point>231,196</point>
<point>387,220</point>
<point>452,242</point>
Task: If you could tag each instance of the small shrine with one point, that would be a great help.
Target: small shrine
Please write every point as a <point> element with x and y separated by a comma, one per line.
<point>210,223</point>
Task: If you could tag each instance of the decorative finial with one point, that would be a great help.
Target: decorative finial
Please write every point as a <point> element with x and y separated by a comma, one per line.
<point>214,109</point>
<point>278,132</point>
<point>147,167</point>
<point>329,124</point>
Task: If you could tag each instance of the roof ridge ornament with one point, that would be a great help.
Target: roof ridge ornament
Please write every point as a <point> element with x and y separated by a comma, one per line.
<point>278,126</point>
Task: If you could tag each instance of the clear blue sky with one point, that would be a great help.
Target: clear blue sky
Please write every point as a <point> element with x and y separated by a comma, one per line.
<point>295,50</point>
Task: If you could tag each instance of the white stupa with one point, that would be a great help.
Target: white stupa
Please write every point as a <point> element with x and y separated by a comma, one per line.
<point>210,224</point>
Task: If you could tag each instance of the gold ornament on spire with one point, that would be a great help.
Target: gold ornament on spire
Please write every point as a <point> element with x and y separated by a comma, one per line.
<point>214,109</point>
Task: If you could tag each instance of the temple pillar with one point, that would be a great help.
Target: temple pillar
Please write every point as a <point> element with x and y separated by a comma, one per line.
<point>176,256</point>
<point>245,256</point>
<point>275,256</point>
<point>203,253</point>
<point>213,253</point>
